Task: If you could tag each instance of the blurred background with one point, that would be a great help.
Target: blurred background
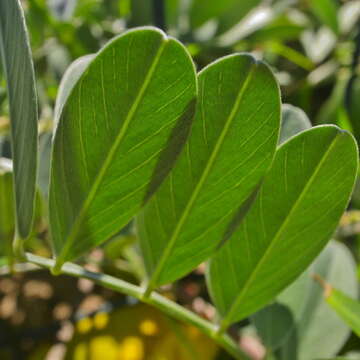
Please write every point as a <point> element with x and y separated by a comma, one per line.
<point>313,47</point>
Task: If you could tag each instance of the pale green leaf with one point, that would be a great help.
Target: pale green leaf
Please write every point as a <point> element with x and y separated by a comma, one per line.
<point>293,121</point>
<point>119,133</point>
<point>68,81</point>
<point>231,145</point>
<point>292,218</point>
<point>313,317</point>
<point>19,73</point>
<point>353,355</point>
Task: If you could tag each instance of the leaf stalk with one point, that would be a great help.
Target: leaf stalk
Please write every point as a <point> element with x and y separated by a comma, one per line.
<point>158,301</point>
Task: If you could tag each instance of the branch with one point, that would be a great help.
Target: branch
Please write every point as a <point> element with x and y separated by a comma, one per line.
<point>160,302</point>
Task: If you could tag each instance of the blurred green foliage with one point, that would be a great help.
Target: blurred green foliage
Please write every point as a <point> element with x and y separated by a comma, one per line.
<point>312,46</point>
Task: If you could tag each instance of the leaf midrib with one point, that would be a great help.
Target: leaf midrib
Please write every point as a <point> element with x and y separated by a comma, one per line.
<point>153,279</point>
<point>111,154</point>
<point>227,319</point>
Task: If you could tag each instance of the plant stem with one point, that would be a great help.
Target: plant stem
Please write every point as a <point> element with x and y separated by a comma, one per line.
<point>160,302</point>
<point>223,325</point>
<point>18,247</point>
<point>147,292</point>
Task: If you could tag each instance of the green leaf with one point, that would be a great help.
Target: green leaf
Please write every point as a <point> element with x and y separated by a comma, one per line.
<point>292,218</point>
<point>226,12</point>
<point>19,72</point>
<point>7,221</point>
<point>272,324</point>
<point>313,318</point>
<point>326,11</point>
<point>119,133</point>
<point>68,81</point>
<point>294,120</point>
<point>347,308</point>
<point>231,145</point>
<point>45,143</point>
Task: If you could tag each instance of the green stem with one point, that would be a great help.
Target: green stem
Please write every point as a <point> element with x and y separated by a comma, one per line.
<point>18,247</point>
<point>167,306</point>
<point>148,290</point>
<point>223,325</point>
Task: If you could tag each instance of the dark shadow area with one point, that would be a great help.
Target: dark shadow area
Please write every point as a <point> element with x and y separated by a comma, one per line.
<point>172,150</point>
<point>289,349</point>
<point>239,215</point>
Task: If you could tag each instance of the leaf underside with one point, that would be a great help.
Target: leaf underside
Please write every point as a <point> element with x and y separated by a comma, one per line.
<point>119,133</point>
<point>19,74</point>
<point>294,215</point>
<point>232,142</point>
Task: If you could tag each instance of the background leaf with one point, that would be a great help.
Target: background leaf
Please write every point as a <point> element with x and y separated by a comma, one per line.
<point>19,73</point>
<point>231,145</point>
<point>346,307</point>
<point>354,106</point>
<point>62,9</point>
<point>119,133</point>
<point>272,324</point>
<point>68,81</point>
<point>294,120</point>
<point>302,198</point>
<point>226,13</point>
<point>312,316</point>
<point>326,11</point>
